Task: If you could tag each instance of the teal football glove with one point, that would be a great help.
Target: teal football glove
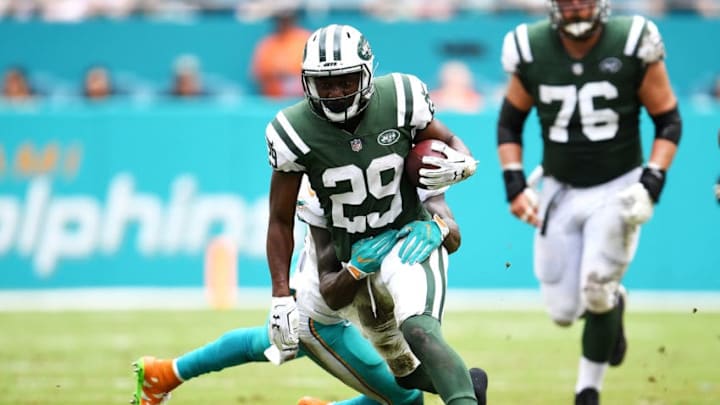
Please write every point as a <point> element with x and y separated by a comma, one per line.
<point>421,238</point>
<point>367,254</point>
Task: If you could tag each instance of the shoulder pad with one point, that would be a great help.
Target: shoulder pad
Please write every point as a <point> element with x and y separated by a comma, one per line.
<point>284,145</point>
<point>516,48</point>
<point>412,94</point>
<point>644,41</point>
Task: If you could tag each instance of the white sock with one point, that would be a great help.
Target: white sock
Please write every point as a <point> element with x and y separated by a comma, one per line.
<point>590,374</point>
<point>175,370</point>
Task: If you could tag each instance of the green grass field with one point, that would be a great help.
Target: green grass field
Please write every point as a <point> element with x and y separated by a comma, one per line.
<point>84,358</point>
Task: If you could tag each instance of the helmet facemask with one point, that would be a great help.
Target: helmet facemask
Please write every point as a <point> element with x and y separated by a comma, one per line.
<point>578,28</point>
<point>333,52</point>
<point>340,108</point>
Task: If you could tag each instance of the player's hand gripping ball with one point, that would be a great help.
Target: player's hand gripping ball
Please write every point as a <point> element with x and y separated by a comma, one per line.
<point>413,161</point>
<point>432,164</point>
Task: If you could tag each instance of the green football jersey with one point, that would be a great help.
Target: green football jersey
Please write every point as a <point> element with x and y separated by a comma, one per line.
<point>358,176</point>
<point>588,108</point>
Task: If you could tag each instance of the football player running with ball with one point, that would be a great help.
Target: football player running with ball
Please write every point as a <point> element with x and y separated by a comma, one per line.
<point>351,136</point>
<point>587,75</point>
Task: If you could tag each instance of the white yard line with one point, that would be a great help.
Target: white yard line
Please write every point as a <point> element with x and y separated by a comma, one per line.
<point>259,298</point>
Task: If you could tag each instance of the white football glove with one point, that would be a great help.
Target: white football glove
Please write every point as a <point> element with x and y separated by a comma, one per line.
<point>283,327</point>
<point>636,204</point>
<point>277,357</point>
<point>452,169</point>
<point>532,196</point>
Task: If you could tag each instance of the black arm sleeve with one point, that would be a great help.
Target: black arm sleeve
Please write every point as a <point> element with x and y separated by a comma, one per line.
<point>510,123</point>
<point>668,125</point>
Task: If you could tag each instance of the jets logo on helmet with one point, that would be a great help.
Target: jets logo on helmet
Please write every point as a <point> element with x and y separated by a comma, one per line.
<point>364,51</point>
<point>333,51</point>
<point>577,27</point>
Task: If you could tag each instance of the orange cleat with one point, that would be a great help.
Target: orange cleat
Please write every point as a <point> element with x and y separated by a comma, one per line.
<point>155,379</point>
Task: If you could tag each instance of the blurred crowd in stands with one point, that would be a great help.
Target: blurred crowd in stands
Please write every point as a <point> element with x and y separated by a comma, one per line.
<point>77,10</point>
<point>276,75</point>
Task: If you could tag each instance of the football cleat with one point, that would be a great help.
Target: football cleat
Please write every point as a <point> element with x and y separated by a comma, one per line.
<point>155,378</point>
<point>588,396</point>
<point>618,353</point>
<point>312,401</point>
<point>480,384</point>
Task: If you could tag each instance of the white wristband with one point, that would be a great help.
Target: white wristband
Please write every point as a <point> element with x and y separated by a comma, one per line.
<point>354,271</point>
<point>444,229</point>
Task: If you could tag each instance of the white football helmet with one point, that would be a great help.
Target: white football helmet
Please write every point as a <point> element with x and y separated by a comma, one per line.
<point>579,28</point>
<point>333,51</point>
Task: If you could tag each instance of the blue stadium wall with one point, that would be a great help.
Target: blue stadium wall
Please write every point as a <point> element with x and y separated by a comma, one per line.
<point>115,196</point>
<point>124,194</point>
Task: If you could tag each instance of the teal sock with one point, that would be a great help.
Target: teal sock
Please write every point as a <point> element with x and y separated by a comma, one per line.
<point>235,347</point>
<point>446,369</point>
<point>358,400</point>
<point>364,400</point>
<point>599,335</point>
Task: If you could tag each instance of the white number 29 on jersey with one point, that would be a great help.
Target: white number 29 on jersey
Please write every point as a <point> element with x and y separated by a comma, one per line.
<point>597,124</point>
<point>359,193</point>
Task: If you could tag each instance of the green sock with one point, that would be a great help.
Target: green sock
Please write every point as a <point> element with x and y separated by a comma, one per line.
<point>599,335</point>
<point>446,369</point>
<point>419,379</point>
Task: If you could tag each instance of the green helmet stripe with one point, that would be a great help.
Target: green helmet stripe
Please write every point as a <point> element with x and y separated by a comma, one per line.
<point>336,43</point>
<point>321,42</point>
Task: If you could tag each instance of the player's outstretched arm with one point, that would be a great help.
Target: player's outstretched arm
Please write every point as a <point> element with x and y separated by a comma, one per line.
<point>659,100</point>
<point>514,112</point>
<point>284,318</point>
<point>337,287</point>
<point>437,205</point>
<point>280,243</point>
<point>657,96</point>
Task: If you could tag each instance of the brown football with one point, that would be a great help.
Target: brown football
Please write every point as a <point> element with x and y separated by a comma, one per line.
<point>413,161</point>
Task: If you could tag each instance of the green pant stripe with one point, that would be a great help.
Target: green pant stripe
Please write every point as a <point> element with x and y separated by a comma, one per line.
<point>443,275</point>
<point>430,293</point>
<point>336,356</point>
<point>435,281</point>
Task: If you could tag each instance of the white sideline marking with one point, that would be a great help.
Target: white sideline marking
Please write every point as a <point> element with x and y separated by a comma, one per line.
<point>102,299</point>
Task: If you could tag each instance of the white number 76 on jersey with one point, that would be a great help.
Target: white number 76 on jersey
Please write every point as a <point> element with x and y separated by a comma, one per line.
<point>597,125</point>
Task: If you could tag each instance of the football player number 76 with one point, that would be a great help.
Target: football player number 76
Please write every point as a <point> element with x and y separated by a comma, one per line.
<point>597,124</point>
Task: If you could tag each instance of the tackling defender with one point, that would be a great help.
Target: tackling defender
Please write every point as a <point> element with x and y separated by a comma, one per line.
<point>587,75</point>
<point>351,136</point>
<point>325,336</point>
